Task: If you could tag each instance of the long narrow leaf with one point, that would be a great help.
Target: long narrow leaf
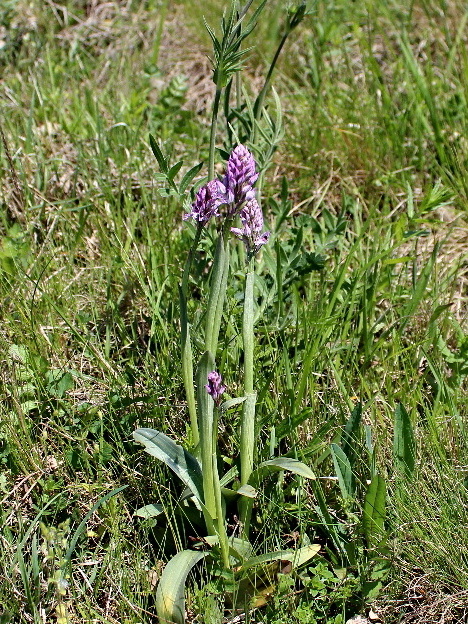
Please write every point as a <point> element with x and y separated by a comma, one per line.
<point>79,530</point>
<point>162,162</point>
<point>343,471</point>
<point>188,177</point>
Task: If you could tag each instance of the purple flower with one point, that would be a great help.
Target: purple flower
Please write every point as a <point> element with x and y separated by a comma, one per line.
<point>207,202</point>
<point>240,177</point>
<point>215,387</point>
<point>251,233</point>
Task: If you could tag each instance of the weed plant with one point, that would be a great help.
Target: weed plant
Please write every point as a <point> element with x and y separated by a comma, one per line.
<point>360,360</point>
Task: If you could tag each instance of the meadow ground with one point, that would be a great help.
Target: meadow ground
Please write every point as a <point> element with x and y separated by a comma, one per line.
<point>362,298</point>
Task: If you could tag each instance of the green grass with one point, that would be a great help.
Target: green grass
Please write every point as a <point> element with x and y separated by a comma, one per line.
<point>374,98</point>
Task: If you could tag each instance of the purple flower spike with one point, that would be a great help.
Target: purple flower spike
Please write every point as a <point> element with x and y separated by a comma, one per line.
<point>240,177</point>
<point>207,201</point>
<point>215,387</point>
<point>251,233</point>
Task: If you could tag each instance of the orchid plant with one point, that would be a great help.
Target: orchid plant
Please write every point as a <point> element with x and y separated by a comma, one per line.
<point>229,204</point>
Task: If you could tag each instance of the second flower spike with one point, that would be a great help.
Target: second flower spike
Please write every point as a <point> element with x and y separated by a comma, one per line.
<point>215,387</point>
<point>251,233</point>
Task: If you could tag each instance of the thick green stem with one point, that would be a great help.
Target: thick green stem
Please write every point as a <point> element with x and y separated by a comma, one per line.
<point>214,123</point>
<point>220,520</point>
<point>205,416</point>
<point>221,298</point>
<point>186,345</point>
<point>247,434</point>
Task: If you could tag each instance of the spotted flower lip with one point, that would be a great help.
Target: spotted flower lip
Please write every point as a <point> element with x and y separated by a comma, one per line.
<point>251,233</point>
<point>241,175</point>
<point>215,387</point>
<point>207,201</point>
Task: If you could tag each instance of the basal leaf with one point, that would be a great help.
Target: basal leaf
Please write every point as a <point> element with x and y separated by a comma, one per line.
<point>185,466</point>
<point>404,446</point>
<point>170,595</point>
<point>373,516</point>
<point>296,557</point>
<point>286,463</point>
<point>343,471</point>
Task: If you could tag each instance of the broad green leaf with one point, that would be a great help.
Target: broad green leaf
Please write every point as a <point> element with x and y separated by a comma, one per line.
<point>59,382</point>
<point>404,446</point>
<point>343,471</point>
<point>373,516</point>
<point>239,549</point>
<point>247,490</point>
<point>296,557</point>
<point>170,596</point>
<point>286,463</point>
<point>350,435</point>
<point>231,403</point>
<point>185,466</point>
<point>149,511</point>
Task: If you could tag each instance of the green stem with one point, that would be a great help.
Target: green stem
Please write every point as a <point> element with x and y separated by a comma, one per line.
<point>247,434</point>
<point>221,298</point>
<point>186,344</point>
<point>258,107</point>
<point>220,520</point>
<point>205,415</point>
<point>214,122</point>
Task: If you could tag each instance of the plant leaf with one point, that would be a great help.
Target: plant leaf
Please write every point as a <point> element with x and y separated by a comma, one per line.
<point>404,446</point>
<point>185,466</point>
<point>174,170</point>
<point>350,435</point>
<point>170,596</point>
<point>231,403</point>
<point>296,557</point>
<point>149,511</point>
<point>343,471</point>
<point>247,490</point>
<point>162,162</point>
<point>286,463</point>
<point>373,515</point>
<point>188,177</point>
